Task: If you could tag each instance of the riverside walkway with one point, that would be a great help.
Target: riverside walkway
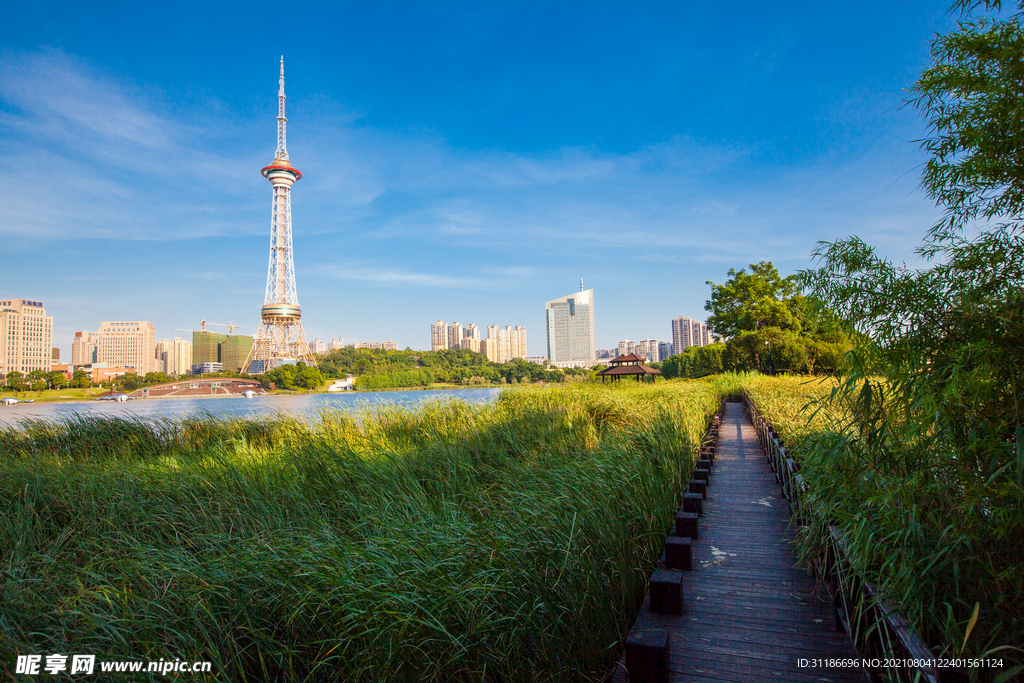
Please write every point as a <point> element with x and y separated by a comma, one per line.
<point>749,614</point>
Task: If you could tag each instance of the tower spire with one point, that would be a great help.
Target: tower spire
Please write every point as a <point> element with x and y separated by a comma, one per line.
<point>581,283</point>
<point>282,123</point>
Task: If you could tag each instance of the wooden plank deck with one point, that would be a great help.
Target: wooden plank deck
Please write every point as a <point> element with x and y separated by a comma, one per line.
<point>749,614</point>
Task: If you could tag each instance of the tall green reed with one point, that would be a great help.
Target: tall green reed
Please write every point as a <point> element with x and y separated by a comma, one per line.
<point>938,535</point>
<point>451,542</point>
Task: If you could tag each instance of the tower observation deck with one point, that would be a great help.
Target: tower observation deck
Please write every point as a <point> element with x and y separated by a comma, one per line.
<point>280,339</point>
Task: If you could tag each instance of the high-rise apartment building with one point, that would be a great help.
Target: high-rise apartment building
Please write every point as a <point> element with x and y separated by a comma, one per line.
<point>84,348</point>
<point>491,349</point>
<point>517,342</point>
<point>570,328</point>
<point>174,358</point>
<point>438,336</point>
<point>26,336</point>
<point>317,346</point>
<point>504,343</point>
<point>471,338</point>
<point>500,345</point>
<point>163,349</point>
<point>497,344</point>
<point>335,345</point>
<point>455,336</point>
<point>648,348</point>
<point>129,344</point>
<point>627,347</point>
<point>688,332</point>
<point>664,350</point>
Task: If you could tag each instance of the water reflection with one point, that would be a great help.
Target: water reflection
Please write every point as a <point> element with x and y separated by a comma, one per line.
<point>300,406</point>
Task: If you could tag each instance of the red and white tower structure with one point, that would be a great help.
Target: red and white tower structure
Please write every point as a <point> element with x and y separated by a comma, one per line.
<point>280,339</point>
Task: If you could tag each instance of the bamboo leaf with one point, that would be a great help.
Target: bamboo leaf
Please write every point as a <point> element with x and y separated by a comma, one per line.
<point>970,625</point>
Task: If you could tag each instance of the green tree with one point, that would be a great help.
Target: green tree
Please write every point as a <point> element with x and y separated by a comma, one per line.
<point>14,378</point>
<point>751,301</point>
<point>694,361</point>
<point>768,326</point>
<point>309,378</point>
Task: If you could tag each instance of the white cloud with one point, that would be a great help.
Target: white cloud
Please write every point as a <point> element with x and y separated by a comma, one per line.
<point>97,157</point>
<point>102,157</point>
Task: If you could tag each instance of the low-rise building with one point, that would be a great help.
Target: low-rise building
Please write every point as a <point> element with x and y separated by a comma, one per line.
<point>203,368</point>
<point>347,384</point>
<point>102,372</point>
<point>388,345</point>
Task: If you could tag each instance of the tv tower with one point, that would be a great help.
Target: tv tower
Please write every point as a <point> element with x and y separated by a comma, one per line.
<point>280,339</point>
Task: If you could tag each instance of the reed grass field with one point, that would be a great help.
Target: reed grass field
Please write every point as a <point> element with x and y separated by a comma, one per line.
<point>506,542</point>
<point>940,534</point>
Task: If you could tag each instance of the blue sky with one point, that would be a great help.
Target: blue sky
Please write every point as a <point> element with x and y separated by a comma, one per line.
<point>462,161</point>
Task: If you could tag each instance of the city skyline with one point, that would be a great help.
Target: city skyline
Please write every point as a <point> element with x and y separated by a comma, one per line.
<point>479,178</point>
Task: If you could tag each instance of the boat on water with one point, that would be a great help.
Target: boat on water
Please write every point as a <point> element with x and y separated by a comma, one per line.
<point>249,393</point>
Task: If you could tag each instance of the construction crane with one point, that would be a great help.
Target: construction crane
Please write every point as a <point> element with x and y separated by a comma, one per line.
<point>179,329</point>
<point>230,325</point>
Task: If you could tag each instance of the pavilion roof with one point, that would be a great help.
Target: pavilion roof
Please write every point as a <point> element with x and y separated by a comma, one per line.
<point>629,370</point>
<point>628,358</point>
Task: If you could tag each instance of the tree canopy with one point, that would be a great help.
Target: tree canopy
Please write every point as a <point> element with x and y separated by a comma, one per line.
<point>768,325</point>
<point>750,301</point>
<point>456,366</point>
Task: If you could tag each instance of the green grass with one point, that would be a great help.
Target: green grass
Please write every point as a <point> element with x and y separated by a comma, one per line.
<point>52,395</point>
<point>506,542</point>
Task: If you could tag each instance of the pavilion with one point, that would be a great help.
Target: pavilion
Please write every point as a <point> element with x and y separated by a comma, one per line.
<point>628,365</point>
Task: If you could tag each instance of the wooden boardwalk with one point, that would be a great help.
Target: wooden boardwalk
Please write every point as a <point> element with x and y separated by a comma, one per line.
<point>749,614</point>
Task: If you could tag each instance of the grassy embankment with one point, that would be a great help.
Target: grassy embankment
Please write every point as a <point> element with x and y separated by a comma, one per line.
<point>503,542</point>
<point>938,535</point>
<point>54,395</point>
